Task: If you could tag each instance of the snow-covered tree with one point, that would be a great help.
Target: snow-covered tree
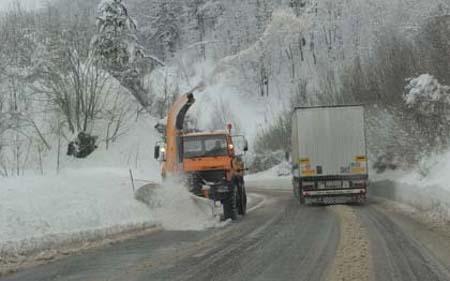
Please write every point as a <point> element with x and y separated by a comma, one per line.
<point>167,37</point>
<point>116,42</point>
<point>18,130</point>
<point>117,49</point>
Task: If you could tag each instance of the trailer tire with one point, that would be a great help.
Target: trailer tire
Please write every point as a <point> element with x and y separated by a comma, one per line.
<point>242,199</point>
<point>230,204</point>
<point>301,197</point>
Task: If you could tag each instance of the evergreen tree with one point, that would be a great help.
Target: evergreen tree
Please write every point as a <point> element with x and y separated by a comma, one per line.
<point>117,48</point>
<point>167,36</point>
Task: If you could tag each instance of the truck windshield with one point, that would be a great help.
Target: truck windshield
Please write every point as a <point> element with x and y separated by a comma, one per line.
<point>201,146</point>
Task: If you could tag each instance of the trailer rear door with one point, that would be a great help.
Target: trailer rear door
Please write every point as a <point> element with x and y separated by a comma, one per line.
<point>330,141</point>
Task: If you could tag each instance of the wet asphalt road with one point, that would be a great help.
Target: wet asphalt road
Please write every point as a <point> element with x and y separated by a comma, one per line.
<point>404,250</point>
<point>278,241</point>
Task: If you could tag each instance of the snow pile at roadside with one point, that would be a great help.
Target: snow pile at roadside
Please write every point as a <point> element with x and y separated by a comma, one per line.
<point>437,169</point>
<point>277,177</point>
<point>429,194</point>
<point>78,205</point>
<point>433,171</point>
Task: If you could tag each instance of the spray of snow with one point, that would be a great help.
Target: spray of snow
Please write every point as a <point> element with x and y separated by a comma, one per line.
<point>177,209</point>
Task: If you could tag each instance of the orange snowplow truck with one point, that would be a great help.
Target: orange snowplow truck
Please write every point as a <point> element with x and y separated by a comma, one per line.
<point>207,161</point>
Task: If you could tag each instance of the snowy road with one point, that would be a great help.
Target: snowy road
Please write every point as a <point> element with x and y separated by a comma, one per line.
<point>278,241</point>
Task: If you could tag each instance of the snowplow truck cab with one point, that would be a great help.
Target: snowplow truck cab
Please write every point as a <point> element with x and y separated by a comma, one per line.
<point>213,170</point>
<point>207,161</point>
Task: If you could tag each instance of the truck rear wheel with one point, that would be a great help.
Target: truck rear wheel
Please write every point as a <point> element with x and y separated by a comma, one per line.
<point>230,204</point>
<point>242,204</point>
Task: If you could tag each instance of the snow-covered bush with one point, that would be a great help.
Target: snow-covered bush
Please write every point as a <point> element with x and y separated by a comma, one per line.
<point>276,137</point>
<point>264,161</point>
<point>272,143</point>
<point>427,96</point>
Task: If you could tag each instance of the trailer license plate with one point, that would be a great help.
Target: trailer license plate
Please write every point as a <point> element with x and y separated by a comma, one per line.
<point>334,184</point>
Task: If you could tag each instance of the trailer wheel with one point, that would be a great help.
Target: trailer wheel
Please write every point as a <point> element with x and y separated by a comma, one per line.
<point>230,204</point>
<point>242,199</point>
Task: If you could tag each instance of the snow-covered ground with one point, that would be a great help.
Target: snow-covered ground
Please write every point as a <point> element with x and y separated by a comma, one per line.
<point>93,198</point>
<point>277,177</point>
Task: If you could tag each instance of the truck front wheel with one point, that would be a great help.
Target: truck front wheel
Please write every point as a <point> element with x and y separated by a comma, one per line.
<point>230,204</point>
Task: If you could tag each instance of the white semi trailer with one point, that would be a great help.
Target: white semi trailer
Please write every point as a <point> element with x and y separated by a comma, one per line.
<point>329,154</point>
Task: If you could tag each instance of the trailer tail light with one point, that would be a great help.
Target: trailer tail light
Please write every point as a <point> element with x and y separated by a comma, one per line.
<point>359,184</point>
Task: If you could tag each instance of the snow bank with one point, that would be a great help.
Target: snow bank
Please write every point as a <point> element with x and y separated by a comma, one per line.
<point>42,212</point>
<point>435,168</point>
<point>437,173</point>
<point>432,202</point>
<point>429,194</point>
